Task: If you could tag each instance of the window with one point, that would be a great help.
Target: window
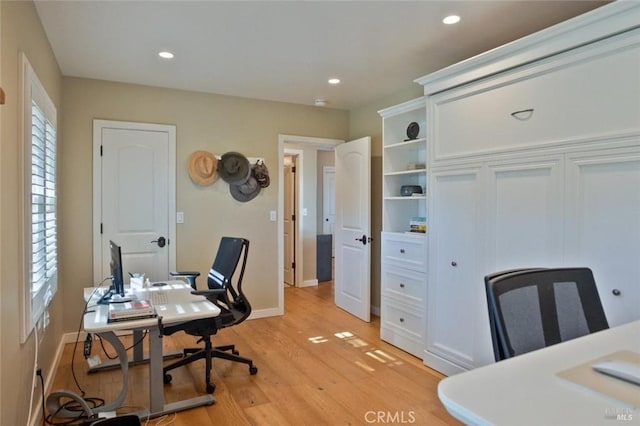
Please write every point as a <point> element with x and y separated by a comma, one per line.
<point>40,199</point>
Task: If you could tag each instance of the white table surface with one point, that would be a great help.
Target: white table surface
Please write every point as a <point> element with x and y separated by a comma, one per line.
<point>525,390</point>
<point>183,306</point>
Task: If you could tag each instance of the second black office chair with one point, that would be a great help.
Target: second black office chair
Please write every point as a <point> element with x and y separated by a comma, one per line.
<point>234,308</point>
<point>530,309</point>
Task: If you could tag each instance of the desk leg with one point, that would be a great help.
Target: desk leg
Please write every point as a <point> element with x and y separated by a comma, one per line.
<point>156,384</point>
<point>157,407</point>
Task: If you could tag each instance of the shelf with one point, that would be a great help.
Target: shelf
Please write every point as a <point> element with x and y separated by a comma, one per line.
<point>406,172</point>
<point>406,234</point>
<point>412,197</point>
<point>412,143</point>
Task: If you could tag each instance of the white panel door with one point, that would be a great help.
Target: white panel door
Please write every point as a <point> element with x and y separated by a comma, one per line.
<point>525,214</point>
<point>457,319</point>
<point>136,197</point>
<point>328,199</point>
<point>603,221</point>
<point>353,227</point>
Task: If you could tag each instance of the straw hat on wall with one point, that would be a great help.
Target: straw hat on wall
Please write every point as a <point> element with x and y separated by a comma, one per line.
<point>203,168</point>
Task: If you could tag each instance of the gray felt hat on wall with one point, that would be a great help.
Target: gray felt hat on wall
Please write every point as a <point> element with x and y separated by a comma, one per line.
<point>234,168</point>
<point>245,191</point>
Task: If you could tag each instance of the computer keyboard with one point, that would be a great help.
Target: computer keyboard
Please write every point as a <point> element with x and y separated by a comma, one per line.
<point>158,297</point>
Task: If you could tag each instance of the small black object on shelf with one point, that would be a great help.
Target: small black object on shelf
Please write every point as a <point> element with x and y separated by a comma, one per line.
<point>412,131</point>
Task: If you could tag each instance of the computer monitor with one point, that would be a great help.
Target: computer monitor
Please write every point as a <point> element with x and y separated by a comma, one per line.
<point>117,280</point>
<point>115,294</point>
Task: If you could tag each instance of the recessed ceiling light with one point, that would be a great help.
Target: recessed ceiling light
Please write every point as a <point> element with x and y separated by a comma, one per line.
<point>451,19</point>
<point>165,55</point>
<point>334,81</point>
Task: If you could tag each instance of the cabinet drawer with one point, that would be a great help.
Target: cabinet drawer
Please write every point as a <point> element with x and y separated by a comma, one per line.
<point>405,251</point>
<point>541,104</point>
<point>402,319</point>
<point>403,284</point>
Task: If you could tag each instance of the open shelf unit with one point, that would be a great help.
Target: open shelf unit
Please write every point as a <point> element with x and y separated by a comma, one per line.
<point>403,163</point>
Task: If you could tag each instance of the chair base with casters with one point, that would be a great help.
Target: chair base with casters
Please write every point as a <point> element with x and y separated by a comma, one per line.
<point>234,308</point>
<point>208,353</point>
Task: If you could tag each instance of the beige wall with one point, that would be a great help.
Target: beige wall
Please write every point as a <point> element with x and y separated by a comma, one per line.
<point>21,31</point>
<point>204,121</point>
<point>365,121</point>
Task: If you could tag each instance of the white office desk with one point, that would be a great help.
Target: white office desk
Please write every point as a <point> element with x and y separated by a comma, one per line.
<point>182,306</point>
<point>525,390</point>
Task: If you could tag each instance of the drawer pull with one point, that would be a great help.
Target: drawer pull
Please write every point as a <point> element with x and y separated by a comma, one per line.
<point>401,319</point>
<point>401,285</point>
<point>616,292</point>
<point>402,251</point>
<point>522,115</point>
<point>454,263</point>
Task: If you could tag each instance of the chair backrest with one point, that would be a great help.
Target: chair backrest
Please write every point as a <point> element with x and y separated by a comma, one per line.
<point>495,340</point>
<point>533,308</point>
<point>232,252</point>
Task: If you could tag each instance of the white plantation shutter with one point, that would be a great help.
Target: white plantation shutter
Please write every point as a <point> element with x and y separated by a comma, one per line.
<point>40,242</point>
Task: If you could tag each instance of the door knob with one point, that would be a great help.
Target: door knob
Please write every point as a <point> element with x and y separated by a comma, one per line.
<point>616,292</point>
<point>160,241</point>
<point>363,240</point>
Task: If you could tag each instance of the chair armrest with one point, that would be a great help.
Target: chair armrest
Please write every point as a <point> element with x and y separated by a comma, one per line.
<point>189,276</point>
<point>184,273</point>
<point>207,293</point>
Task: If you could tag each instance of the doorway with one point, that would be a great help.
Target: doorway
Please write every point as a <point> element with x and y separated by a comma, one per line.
<point>308,222</point>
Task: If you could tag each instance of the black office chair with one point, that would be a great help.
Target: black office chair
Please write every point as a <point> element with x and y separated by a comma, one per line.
<point>233,304</point>
<point>531,309</point>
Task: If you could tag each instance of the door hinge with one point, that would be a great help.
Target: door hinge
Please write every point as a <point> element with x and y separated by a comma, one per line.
<point>293,265</point>
<point>293,217</point>
<point>293,169</point>
<point>100,150</point>
<point>100,227</point>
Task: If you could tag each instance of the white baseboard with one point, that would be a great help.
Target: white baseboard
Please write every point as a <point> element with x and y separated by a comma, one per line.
<point>265,313</point>
<point>375,310</point>
<point>309,283</point>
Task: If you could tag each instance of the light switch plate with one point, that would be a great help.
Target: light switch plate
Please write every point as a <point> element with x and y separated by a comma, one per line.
<point>180,217</point>
<point>272,216</point>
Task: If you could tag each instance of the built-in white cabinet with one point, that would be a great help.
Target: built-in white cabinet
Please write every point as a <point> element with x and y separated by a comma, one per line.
<point>453,302</point>
<point>533,161</point>
<point>404,215</point>
<point>603,225</point>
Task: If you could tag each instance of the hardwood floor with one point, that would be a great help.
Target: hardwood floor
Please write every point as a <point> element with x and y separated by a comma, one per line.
<point>317,365</point>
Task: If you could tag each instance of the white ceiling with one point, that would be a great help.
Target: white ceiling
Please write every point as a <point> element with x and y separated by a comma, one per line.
<point>284,51</point>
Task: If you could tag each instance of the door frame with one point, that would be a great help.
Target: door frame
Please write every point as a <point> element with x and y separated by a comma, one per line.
<point>300,140</point>
<point>98,126</point>
<point>298,156</point>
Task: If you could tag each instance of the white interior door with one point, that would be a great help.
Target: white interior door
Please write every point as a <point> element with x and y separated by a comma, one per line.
<point>134,178</point>
<point>328,199</point>
<point>289,222</point>
<point>353,227</point>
